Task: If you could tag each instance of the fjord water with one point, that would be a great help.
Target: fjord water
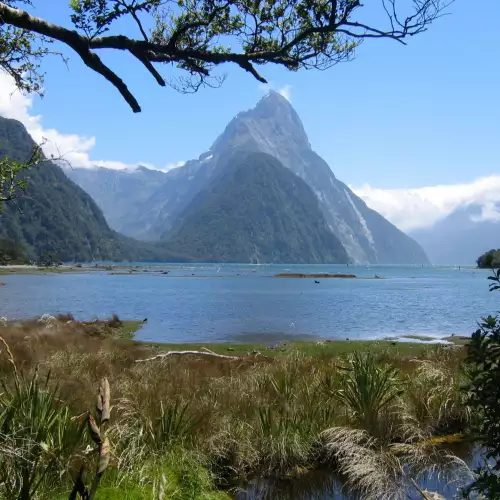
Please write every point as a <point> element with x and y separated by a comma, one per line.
<point>215,303</point>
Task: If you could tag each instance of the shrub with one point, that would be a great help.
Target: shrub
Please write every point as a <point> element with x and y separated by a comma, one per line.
<point>36,433</point>
<point>367,389</point>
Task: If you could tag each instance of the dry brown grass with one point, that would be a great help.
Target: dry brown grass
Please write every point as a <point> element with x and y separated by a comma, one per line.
<point>239,417</point>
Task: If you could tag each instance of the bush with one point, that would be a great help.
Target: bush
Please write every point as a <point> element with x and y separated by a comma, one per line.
<point>484,397</point>
<point>11,252</point>
<point>489,260</point>
<point>37,436</point>
<point>367,390</point>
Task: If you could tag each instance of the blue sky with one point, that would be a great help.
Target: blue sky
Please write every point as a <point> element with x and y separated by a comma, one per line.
<point>396,118</point>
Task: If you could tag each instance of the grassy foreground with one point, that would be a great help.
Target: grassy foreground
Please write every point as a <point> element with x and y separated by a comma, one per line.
<point>192,427</point>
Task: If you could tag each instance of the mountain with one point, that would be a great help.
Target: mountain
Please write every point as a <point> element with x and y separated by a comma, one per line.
<point>117,192</point>
<point>273,127</point>
<point>59,217</point>
<point>461,237</point>
<point>257,211</point>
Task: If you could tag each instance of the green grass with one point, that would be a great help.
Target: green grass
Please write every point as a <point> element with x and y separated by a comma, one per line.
<point>458,340</point>
<point>307,348</point>
<point>178,474</point>
<point>129,329</point>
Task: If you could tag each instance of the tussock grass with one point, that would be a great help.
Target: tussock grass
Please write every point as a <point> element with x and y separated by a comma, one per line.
<point>185,425</point>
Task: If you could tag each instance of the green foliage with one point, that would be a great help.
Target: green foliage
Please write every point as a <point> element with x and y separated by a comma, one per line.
<point>13,183</point>
<point>37,436</point>
<point>10,184</point>
<point>484,397</point>
<point>11,252</point>
<point>367,389</point>
<point>489,260</point>
<point>257,211</point>
<point>49,259</point>
<point>175,423</point>
<point>21,52</point>
<point>94,17</point>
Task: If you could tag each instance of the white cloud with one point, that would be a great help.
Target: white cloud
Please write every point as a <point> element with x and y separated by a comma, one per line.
<point>74,148</point>
<point>285,91</point>
<point>170,166</point>
<point>490,211</point>
<point>165,168</point>
<point>417,208</point>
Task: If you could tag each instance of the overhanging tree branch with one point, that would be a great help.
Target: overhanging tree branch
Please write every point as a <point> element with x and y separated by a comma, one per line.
<point>22,19</point>
<point>290,33</point>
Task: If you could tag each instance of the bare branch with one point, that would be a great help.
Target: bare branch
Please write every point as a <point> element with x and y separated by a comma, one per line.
<point>246,65</point>
<point>206,352</point>
<point>79,44</point>
<point>147,63</point>
<point>132,10</point>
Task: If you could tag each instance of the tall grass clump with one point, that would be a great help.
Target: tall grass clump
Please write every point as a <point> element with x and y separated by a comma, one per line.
<point>367,391</point>
<point>37,433</point>
<point>435,397</point>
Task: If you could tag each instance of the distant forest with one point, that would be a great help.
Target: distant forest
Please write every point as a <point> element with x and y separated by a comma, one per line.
<point>488,260</point>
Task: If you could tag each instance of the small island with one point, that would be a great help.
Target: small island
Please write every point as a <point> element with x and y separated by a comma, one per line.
<point>314,275</point>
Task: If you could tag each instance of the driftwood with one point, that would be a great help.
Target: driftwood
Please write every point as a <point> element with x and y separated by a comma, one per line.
<point>427,495</point>
<point>203,352</point>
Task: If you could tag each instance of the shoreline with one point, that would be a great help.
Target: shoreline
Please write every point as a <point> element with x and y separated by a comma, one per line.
<point>278,343</point>
<point>163,270</point>
<point>403,344</point>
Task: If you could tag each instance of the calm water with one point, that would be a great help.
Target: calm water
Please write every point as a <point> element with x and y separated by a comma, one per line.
<point>238,302</point>
<point>448,481</point>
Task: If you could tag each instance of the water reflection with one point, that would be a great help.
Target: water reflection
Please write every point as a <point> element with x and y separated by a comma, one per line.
<point>325,485</point>
<point>315,485</point>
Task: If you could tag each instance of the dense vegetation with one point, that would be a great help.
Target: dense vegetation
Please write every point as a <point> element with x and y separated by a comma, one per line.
<point>11,253</point>
<point>484,390</point>
<point>187,425</point>
<point>256,211</point>
<point>57,217</point>
<point>489,260</point>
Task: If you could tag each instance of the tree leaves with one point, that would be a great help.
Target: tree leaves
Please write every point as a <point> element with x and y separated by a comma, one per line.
<point>12,184</point>
<point>490,260</point>
<point>196,36</point>
<point>483,354</point>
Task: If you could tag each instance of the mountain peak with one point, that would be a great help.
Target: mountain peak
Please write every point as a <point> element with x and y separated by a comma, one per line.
<point>272,125</point>
<point>273,98</point>
<point>275,105</point>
